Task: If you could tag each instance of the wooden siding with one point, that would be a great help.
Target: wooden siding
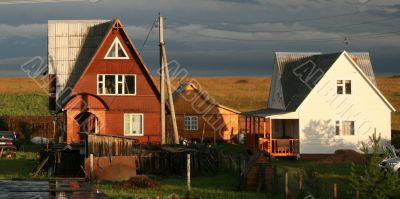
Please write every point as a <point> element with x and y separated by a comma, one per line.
<point>112,120</point>
<point>212,119</point>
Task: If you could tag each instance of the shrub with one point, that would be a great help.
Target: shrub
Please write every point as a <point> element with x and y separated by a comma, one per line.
<point>242,81</point>
<point>370,180</point>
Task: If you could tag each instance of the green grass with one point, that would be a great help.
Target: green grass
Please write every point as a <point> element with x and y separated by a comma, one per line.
<point>16,169</point>
<point>223,185</point>
<point>25,104</point>
<point>22,165</point>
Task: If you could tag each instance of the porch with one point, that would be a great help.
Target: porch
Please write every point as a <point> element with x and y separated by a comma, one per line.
<point>273,132</point>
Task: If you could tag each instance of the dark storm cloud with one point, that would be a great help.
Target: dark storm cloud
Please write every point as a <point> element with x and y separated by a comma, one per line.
<point>217,37</point>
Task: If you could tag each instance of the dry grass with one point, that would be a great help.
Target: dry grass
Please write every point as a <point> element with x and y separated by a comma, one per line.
<point>22,85</point>
<point>250,93</point>
<point>241,93</point>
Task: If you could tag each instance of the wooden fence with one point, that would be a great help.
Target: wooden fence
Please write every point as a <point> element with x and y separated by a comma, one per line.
<point>105,145</point>
<point>42,126</point>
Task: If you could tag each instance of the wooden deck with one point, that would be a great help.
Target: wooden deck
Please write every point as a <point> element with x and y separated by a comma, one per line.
<point>279,147</point>
<point>260,136</point>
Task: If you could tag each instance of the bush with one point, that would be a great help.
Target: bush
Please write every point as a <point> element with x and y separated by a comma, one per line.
<point>242,81</point>
<point>370,180</point>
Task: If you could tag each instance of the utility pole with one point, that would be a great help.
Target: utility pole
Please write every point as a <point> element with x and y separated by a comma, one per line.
<point>162,80</point>
<point>165,71</point>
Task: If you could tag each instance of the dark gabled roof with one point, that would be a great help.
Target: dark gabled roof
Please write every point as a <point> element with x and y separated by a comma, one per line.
<point>297,81</point>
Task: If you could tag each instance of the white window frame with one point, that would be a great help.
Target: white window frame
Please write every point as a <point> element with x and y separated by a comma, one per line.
<point>190,128</point>
<point>129,115</point>
<point>116,84</point>
<point>340,125</point>
<point>115,43</point>
<point>343,85</point>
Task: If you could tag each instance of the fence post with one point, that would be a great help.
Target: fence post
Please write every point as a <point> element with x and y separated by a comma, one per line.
<point>286,185</point>
<point>91,168</point>
<point>357,194</point>
<point>335,191</point>
<point>188,175</point>
<point>301,185</point>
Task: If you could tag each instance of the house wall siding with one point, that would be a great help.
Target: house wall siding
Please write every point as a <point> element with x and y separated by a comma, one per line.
<point>211,118</point>
<point>323,107</point>
<point>145,100</point>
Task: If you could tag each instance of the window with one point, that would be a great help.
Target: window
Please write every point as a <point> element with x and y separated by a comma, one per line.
<point>191,123</point>
<point>347,86</point>
<point>346,128</point>
<point>337,128</point>
<point>133,124</point>
<point>343,87</point>
<point>116,84</point>
<point>116,51</point>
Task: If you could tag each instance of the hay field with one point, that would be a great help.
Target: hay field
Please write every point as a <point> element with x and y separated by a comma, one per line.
<point>26,96</point>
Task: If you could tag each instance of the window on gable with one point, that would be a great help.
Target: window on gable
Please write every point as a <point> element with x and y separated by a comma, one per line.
<point>347,86</point>
<point>116,84</point>
<point>343,87</point>
<point>191,123</point>
<point>116,51</point>
<point>339,86</point>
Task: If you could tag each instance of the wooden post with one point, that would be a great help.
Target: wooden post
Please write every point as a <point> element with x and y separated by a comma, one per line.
<point>202,135</point>
<point>188,175</point>
<point>161,34</point>
<point>215,143</point>
<point>301,183</point>
<point>265,129</point>
<point>286,185</point>
<point>357,194</point>
<point>335,191</point>
<point>245,124</point>
<point>91,168</point>
<point>169,91</point>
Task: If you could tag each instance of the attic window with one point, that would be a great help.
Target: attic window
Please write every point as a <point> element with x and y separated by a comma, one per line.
<point>343,87</point>
<point>116,51</point>
<point>116,84</point>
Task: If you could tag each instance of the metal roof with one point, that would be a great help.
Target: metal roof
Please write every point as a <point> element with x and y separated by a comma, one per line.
<point>294,90</point>
<point>184,85</point>
<point>71,46</point>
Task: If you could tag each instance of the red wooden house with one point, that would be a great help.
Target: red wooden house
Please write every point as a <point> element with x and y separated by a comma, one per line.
<point>99,81</point>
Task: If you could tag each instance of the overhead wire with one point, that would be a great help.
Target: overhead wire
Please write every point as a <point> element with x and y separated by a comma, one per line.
<point>147,36</point>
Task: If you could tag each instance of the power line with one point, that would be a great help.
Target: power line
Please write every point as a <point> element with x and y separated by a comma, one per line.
<point>147,37</point>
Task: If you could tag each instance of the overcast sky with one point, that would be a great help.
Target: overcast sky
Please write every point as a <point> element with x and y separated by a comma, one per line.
<point>216,37</point>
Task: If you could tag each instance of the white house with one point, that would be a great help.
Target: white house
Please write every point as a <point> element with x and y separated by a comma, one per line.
<point>319,103</point>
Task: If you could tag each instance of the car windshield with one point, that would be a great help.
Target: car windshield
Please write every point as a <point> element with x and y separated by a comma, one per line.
<point>8,136</point>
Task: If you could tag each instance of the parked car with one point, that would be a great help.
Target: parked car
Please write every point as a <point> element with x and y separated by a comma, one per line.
<point>8,144</point>
<point>392,162</point>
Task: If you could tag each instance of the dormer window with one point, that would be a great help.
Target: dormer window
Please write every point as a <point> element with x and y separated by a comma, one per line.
<point>343,87</point>
<point>116,51</point>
